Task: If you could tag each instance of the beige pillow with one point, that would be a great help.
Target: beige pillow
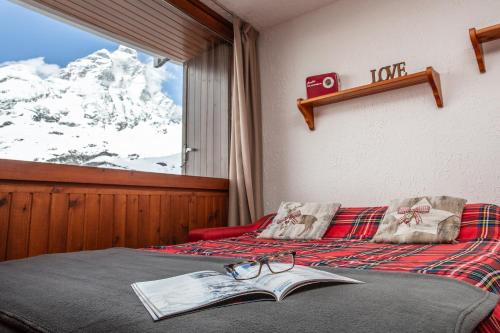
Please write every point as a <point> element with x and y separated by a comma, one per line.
<point>297,220</point>
<point>421,220</point>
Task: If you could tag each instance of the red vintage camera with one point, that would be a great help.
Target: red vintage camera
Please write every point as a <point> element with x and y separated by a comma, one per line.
<point>322,84</point>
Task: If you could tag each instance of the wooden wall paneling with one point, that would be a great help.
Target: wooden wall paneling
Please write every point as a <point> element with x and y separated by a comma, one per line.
<point>180,212</point>
<point>197,116</point>
<point>39,225</point>
<point>209,210</point>
<point>105,229</point>
<point>216,220</point>
<point>200,212</point>
<point>218,211</point>
<point>210,134</point>
<point>143,220</point>
<point>204,93</point>
<point>224,107</point>
<point>207,112</point>
<point>43,217</point>
<point>18,234</point>
<point>119,221</point>
<point>212,211</point>
<point>191,212</point>
<point>166,222</point>
<point>217,110</point>
<point>91,223</point>
<point>5,202</point>
<point>76,218</point>
<point>154,219</point>
<point>190,100</point>
<point>131,225</point>
<point>222,206</point>
<point>225,211</point>
<point>58,229</point>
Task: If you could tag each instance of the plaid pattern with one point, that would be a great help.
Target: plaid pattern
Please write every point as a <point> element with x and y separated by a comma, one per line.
<point>356,223</point>
<point>480,221</point>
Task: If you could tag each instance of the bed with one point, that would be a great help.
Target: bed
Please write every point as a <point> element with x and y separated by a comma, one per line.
<point>474,259</point>
<point>90,290</point>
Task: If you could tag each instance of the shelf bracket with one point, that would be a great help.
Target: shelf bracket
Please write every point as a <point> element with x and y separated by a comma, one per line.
<point>478,49</point>
<point>478,37</point>
<point>307,112</point>
<point>435,83</point>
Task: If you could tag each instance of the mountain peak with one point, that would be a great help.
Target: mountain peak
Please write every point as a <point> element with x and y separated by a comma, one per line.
<point>103,53</point>
<point>85,112</point>
<point>126,49</point>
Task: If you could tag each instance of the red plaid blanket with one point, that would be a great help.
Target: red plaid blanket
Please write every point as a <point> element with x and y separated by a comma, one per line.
<point>476,262</point>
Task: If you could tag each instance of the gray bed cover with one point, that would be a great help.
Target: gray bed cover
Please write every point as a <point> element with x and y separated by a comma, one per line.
<point>90,292</point>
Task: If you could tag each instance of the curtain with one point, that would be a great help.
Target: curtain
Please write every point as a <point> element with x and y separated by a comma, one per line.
<point>245,155</point>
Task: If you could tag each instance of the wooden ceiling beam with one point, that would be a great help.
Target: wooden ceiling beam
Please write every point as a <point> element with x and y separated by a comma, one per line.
<point>206,16</point>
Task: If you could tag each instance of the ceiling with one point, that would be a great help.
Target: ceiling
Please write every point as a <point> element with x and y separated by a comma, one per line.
<point>158,27</point>
<point>263,14</point>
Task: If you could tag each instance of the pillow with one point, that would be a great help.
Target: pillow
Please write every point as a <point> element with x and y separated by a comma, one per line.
<point>355,222</point>
<point>421,220</point>
<point>298,220</point>
<point>480,222</point>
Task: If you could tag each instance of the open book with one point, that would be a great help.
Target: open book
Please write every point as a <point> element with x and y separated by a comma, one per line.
<point>195,291</point>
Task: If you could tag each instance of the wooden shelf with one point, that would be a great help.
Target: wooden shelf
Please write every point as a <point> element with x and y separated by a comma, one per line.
<point>478,37</point>
<point>306,106</point>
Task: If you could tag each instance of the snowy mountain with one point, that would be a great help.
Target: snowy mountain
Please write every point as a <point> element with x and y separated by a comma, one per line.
<point>105,109</point>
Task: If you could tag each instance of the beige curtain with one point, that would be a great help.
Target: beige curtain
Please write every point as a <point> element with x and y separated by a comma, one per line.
<point>245,161</point>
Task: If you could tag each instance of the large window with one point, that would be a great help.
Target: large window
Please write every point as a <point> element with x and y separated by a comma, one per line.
<point>70,96</point>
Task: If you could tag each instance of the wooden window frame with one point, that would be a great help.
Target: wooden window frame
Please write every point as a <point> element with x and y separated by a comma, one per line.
<point>15,170</point>
<point>18,170</point>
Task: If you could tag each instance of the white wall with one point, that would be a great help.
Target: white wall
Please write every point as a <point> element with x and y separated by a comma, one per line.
<point>369,150</point>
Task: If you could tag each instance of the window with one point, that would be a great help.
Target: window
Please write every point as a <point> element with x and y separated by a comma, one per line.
<point>69,96</point>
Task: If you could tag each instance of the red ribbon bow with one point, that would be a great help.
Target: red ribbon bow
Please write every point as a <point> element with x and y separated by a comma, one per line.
<point>412,213</point>
<point>290,218</point>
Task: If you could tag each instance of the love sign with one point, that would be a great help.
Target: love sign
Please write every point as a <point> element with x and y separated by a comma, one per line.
<point>389,72</point>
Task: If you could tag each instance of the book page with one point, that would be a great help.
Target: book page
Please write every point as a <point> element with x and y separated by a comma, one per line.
<point>188,292</point>
<point>281,284</point>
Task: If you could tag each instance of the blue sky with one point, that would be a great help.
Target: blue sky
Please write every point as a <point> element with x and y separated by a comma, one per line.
<point>25,34</point>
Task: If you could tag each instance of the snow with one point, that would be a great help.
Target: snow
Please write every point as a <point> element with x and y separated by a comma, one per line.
<point>106,109</point>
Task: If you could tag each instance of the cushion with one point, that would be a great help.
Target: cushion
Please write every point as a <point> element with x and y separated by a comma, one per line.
<point>421,220</point>
<point>356,222</point>
<point>480,222</point>
<point>298,220</point>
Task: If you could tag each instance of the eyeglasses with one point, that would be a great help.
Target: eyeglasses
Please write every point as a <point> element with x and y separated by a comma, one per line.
<point>277,263</point>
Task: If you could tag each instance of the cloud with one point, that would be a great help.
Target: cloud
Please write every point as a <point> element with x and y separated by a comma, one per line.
<point>35,66</point>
